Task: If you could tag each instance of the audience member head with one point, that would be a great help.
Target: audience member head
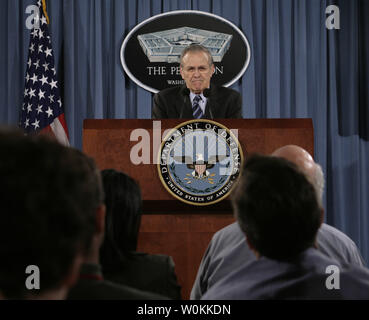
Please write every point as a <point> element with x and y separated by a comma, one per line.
<point>123,216</point>
<point>305,162</point>
<point>196,67</point>
<point>49,194</point>
<point>276,207</point>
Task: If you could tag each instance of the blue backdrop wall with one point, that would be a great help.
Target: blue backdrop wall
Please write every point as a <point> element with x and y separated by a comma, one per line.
<point>298,68</point>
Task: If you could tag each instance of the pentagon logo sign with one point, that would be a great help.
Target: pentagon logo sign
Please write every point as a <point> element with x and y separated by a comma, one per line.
<point>150,52</point>
<point>199,162</point>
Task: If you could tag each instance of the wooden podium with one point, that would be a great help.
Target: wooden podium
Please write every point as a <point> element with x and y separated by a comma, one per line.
<point>170,226</point>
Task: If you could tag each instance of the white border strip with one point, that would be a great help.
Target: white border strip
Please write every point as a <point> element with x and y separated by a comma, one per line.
<point>59,132</point>
<point>174,13</point>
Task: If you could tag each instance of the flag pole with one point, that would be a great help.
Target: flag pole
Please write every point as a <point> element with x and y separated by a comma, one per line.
<point>44,10</point>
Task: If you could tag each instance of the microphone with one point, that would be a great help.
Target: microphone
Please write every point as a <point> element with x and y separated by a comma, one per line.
<point>185,92</point>
<point>206,94</point>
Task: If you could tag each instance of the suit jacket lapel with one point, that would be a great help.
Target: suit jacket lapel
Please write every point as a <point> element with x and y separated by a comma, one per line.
<point>187,109</point>
<point>211,103</point>
<point>207,114</point>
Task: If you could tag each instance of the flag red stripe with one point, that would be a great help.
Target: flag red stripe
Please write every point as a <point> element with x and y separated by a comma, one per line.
<point>64,124</point>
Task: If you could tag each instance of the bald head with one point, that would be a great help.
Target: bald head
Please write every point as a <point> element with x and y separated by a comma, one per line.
<point>306,164</point>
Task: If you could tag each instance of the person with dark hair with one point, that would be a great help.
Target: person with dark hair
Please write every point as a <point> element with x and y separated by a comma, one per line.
<point>91,284</point>
<point>197,98</point>
<point>228,250</point>
<point>278,210</point>
<point>49,194</point>
<point>120,261</point>
<point>52,204</point>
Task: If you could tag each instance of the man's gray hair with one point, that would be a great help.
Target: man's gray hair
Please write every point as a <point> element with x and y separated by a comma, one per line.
<point>196,48</point>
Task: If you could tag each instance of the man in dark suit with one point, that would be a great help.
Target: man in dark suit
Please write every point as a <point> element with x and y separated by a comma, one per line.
<point>197,98</point>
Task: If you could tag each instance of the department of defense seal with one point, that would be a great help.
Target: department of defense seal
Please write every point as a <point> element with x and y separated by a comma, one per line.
<point>199,162</point>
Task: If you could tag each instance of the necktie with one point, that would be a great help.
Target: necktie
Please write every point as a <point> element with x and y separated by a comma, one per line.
<point>196,109</point>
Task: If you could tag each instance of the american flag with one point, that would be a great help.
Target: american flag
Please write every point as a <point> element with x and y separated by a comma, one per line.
<point>42,109</point>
